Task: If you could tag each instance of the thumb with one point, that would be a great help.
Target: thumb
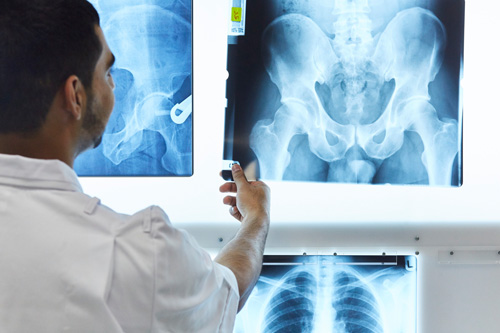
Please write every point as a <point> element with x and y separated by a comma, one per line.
<point>234,211</point>
<point>239,176</point>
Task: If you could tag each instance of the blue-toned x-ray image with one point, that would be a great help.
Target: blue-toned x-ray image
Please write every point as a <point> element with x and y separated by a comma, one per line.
<point>350,91</point>
<point>332,294</point>
<point>150,130</point>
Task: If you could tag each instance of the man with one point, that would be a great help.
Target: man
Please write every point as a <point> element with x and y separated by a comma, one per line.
<point>67,262</point>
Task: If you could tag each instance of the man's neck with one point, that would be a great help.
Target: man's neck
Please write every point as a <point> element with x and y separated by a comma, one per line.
<point>35,145</point>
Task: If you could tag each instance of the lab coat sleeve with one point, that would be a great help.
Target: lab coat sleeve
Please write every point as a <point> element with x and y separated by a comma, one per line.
<point>192,292</point>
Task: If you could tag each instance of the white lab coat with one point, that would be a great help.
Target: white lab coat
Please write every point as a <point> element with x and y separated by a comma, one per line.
<point>70,264</point>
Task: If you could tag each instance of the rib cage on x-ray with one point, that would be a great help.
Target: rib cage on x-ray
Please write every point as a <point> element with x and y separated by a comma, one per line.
<point>150,129</point>
<point>357,91</point>
<point>327,296</point>
<point>346,304</point>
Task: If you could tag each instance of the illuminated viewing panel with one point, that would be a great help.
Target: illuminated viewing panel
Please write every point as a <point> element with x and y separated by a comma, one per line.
<point>295,203</point>
<point>150,130</point>
<point>356,91</point>
<point>332,294</point>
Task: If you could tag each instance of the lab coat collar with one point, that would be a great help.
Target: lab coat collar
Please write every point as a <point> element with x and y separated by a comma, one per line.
<point>26,172</point>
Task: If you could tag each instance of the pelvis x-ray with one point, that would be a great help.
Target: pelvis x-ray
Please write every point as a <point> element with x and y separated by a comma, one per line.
<point>340,294</point>
<point>150,130</point>
<point>352,91</point>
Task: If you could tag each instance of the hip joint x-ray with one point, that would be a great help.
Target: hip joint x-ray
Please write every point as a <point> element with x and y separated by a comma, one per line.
<point>150,130</point>
<point>356,91</point>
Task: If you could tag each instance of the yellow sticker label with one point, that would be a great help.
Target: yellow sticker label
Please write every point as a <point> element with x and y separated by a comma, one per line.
<point>236,14</point>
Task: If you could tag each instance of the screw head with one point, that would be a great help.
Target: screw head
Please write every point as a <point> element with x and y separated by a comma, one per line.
<point>417,238</point>
<point>451,253</point>
<point>221,239</point>
<point>417,253</point>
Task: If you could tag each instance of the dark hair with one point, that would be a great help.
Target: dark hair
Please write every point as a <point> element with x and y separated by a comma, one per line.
<point>42,43</point>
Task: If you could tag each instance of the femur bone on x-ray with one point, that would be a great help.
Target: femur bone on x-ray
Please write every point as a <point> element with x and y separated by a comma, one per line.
<point>354,95</point>
<point>150,130</point>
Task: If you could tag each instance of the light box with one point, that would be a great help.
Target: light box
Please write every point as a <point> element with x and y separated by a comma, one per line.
<point>333,294</point>
<point>195,200</point>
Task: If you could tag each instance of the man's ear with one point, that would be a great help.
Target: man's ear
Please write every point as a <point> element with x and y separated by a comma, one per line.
<point>74,96</point>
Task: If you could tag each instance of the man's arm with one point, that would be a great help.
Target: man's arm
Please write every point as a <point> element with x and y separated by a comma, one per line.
<point>244,253</point>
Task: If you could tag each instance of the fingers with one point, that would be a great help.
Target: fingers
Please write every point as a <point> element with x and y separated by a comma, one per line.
<point>229,200</point>
<point>233,210</point>
<point>235,213</point>
<point>228,187</point>
<point>232,187</point>
<point>239,176</point>
<point>239,180</point>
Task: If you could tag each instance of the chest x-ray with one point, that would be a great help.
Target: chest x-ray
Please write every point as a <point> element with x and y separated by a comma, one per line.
<point>341,294</point>
<point>352,91</point>
<point>150,130</point>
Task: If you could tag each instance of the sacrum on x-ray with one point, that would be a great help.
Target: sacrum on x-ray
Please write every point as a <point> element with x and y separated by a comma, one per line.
<point>353,91</point>
<point>150,130</point>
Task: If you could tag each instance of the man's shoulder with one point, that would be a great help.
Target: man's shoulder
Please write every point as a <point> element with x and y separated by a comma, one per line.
<point>147,216</point>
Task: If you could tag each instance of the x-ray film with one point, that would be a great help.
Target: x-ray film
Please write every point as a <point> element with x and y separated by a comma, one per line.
<point>348,91</point>
<point>150,130</point>
<point>313,294</point>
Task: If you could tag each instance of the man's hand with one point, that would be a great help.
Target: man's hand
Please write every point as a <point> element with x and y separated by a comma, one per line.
<point>251,200</point>
<point>244,253</point>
